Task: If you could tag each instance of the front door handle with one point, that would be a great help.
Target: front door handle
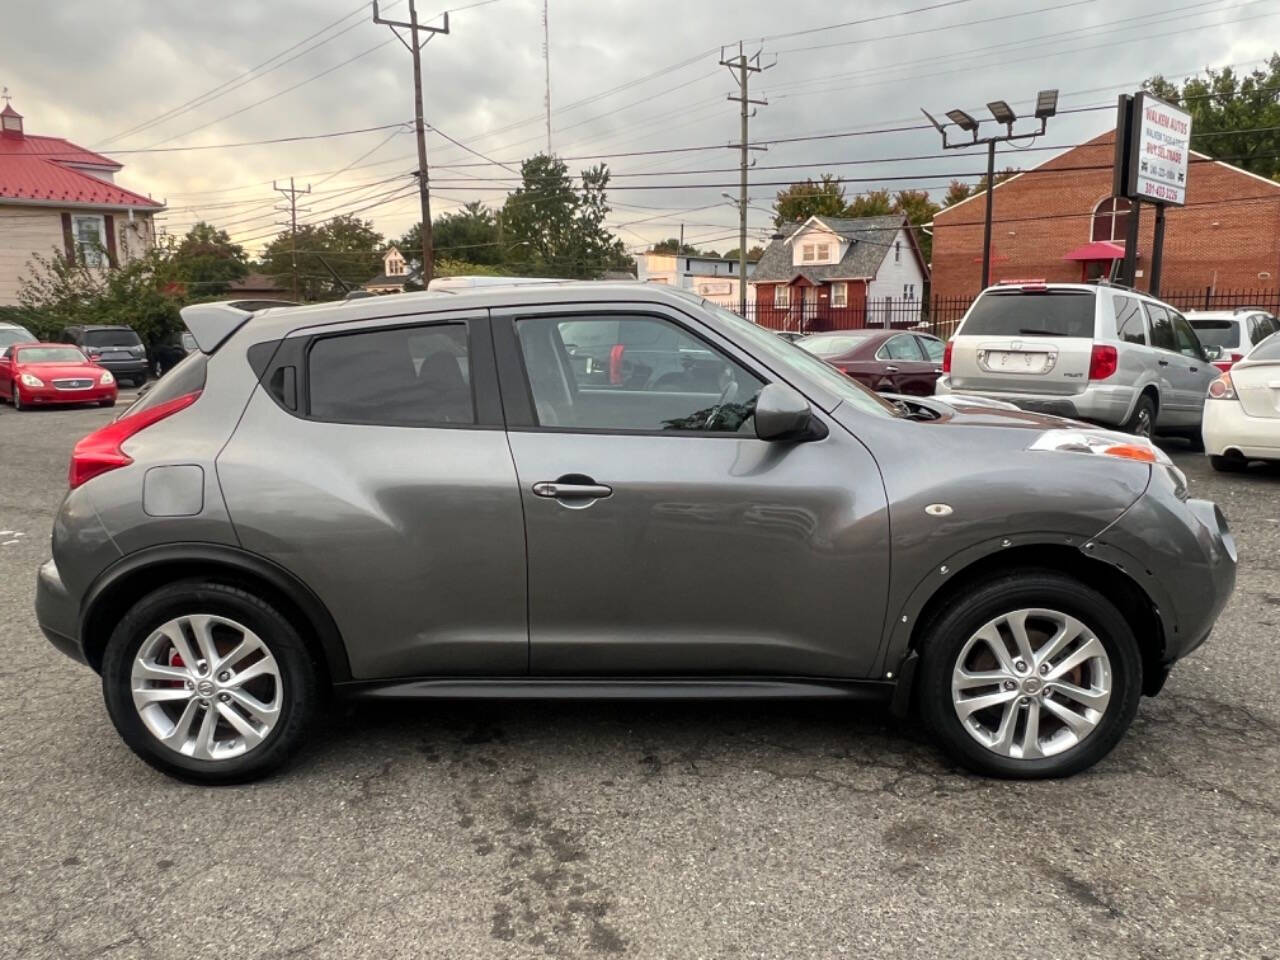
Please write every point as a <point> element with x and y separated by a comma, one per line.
<point>890,369</point>
<point>1163,363</point>
<point>1195,369</point>
<point>571,491</point>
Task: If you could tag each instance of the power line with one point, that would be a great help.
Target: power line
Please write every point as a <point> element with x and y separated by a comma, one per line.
<point>243,143</point>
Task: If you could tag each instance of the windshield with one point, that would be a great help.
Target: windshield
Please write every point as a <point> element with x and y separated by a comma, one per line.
<point>791,355</point>
<point>12,335</point>
<point>49,355</point>
<point>1217,333</point>
<point>110,338</point>
<point>832,344</point>
<point>1019,313</point>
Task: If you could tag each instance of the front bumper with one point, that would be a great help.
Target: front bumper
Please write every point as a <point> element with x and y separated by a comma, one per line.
<point>1228,429</point>
<point>1097,403</point>
<point>126,368</point>
<point>49,395</point>
<point>57,613</point>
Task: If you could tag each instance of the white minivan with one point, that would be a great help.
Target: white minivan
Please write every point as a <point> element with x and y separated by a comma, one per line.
<point>1106,354</point>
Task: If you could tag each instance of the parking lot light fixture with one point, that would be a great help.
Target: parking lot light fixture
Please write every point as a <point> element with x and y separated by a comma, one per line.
<point>1002,112</point>
<point>1046,104</point>
<point>963,121</point>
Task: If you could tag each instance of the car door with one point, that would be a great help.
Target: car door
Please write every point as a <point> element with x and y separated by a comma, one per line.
<point>934,350</point>
<point>905,366</point>
<point>1197,369</point>
<point>663,537</point>
<point>372,462</point>
<point>6,373</point>
<point>1176,382</point>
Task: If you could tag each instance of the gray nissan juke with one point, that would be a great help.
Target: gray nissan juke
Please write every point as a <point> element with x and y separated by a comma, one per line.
<point>608,492</point>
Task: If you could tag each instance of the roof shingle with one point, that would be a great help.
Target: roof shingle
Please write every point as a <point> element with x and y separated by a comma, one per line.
<point>872,238</point>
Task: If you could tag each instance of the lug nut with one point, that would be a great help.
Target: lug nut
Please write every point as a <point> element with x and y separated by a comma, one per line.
<point>1044,669</point>
<point>1009,685</point>
<point>225,697</point>
<point>189,685</point>
<point>1020,666</point>
<point>202,667</point>
<point>204,702</point>
<point>224,676</point>
<point>1024,701</point>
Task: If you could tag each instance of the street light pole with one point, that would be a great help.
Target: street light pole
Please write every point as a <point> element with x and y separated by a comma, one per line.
<point>1002,113</point>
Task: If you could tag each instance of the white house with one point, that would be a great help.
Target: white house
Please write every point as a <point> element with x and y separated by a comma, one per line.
<point>714,278</point>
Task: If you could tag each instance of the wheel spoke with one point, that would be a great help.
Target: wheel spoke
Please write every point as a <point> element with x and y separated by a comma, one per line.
<point>182,727</point>
<point>1031,733</point>
<point>204,739</point>
<point>247,645</point>
<point>242,726</point>
<point>202,627</point>
<point>1018,627</point>
<point>1094,699</point>
<point>970,705</point>
<point>145,695</point>
<point>262,668</point>
<point>991,637</point>
<point>1008,724</point>
<point>262,712</point>
<point>1086,651</point>
<point>1076,723</point>
<point>160,671</point>
<point>1065,633</point>
<point>174,633</point>
<point>968,679</point>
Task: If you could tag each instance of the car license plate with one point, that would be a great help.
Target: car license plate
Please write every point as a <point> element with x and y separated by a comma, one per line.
<point>1017,361</point>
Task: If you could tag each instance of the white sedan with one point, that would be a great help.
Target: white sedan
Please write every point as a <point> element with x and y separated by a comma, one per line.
<point>1242,412</point>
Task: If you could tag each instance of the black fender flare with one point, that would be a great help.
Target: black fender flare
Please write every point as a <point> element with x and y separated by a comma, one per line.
<point>204,556</point>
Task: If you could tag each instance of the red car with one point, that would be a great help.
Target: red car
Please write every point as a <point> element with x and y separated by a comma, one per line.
<point>890,361</point>
<point>43,374</point>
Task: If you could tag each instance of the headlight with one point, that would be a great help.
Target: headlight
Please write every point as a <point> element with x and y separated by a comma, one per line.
<point>106,379</point>
<point>1101,443</point>
<point>30,380</point>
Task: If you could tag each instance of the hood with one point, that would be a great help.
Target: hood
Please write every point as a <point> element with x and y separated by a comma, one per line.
<point>962,410</point>
<point>62,371</point>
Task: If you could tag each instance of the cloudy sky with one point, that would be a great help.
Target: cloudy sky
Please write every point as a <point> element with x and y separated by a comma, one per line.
<point>626,78</point>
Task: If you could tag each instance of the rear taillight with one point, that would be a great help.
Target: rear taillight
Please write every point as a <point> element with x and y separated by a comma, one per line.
<point>1222,388</point>
<point>1102,362</point>
<point>101,451</point>
<point>615,363</point>
<point>946,357</point>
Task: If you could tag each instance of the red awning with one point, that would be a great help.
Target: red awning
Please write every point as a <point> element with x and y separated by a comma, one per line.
<point>1098,250</point>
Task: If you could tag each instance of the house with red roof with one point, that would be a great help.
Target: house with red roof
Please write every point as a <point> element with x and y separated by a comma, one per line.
<point>59,198</point>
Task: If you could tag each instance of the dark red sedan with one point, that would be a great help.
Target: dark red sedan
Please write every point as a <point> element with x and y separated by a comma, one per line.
<point>890,361</point>
<point>43,374</point>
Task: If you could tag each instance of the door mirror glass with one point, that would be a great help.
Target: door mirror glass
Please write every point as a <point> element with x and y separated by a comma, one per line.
<point>783,414</point>
<point>1212,352</point>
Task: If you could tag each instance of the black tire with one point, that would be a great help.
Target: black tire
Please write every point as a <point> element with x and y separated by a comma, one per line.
<point>107,403</point>
<point>16,399</point>
<point>1195,440</point>
<point>1142,422</point>
<point>1229,464</point>
<point>298,671</point>
<point>946,636</point>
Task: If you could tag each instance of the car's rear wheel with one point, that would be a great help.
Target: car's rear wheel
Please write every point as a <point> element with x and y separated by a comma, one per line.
<point>1142,422</point>
<point>1229,464</point>
<point>1031,675</point>
<point>209,683</point>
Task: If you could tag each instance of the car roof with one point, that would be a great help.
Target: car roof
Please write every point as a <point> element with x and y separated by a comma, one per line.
<point>1215,315</point>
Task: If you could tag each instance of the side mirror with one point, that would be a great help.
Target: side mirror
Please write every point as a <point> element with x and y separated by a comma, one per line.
<point>1212,352</point>
<point>783,414</point>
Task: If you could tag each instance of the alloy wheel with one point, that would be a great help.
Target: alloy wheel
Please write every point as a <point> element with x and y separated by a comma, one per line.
<point>207,687</point>
<point>17,398</point>
<point>1031,683</point>
<point>1143,427</point>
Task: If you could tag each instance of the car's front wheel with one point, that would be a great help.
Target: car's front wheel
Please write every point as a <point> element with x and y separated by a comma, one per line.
<point>209,683</point>
<point>1031,675</point>
<point>17,398</point>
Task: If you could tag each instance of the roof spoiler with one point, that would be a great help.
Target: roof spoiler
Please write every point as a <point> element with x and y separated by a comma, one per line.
<point>212,323</point>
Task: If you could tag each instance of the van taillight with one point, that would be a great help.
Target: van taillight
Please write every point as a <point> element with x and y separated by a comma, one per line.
<point>1102,362</point>
<point>100,452</point>
<point>946,357</point>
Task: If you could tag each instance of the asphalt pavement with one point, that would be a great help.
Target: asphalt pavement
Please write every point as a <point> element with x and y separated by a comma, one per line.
<point>667,831</point>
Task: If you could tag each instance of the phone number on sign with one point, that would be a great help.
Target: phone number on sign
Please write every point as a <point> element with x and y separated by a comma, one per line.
<point>1159,191</point>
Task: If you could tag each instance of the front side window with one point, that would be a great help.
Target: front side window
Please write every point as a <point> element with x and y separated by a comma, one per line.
<point>633,374</point>
<point>901,347</point>
<point>90,238</point>
<point>405,376</point>
<point>839,294</point>
<point>1161,328</point>
<point>1188,345</point>
<point>1111,220</point>
<point>1130,326</point>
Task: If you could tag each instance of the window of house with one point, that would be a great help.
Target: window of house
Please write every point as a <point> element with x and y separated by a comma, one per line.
<point>908,291</point>
<point>406,376</point>
<point>782,295</point>
<point>1111,220</point>
<point>1129,323</point>
<point>897,251</point>
<point>839,294</point>
<point>824,252</point>
<point>629,373</point>
<point>395,267</point>
<point>808,253</point>
<point>90,238</point>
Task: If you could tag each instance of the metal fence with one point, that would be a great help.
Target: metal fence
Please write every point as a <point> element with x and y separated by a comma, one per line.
<point>1211,299</point>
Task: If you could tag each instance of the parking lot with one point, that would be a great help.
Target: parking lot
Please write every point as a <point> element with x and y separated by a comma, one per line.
<point>656,830</point>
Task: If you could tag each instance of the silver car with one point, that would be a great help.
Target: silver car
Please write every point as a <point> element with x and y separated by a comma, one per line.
<point>450,496</point>
<point>1108,355</point>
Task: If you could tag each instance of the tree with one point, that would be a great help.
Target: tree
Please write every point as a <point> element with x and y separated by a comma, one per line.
<point>672,245</point>
<point>1232,117</point>
<point>469,235</point>
<point>206,261</point>
<point>1001,177</point>
<point>958,190</point>
<point>875,203</point>
<point>800,201</point>
<point>918,207</point>
<point>349,245</point>
<point>550,228</point>
<point>753,255</point>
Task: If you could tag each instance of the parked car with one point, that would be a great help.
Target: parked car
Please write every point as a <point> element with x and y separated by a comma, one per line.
<point>427,497</point>
<point>1108,355</point>
<point>115,347</point>
<point>166,354</point>
<point>48,374</point>
<point>890,361</point>
<point>791,336</point>
<point>11,333</point>
<point>1242,412</point>
<point>1230,334</point>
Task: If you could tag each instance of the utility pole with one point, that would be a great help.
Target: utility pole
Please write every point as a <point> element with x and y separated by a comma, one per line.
<point>744,67</point>
<point>424,178</point>
<point>291,194</point>
<point>546,57</point>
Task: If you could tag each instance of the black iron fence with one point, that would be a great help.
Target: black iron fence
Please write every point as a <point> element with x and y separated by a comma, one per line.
<point>1211,299</point>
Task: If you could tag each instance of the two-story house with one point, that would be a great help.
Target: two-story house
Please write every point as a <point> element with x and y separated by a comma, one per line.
<point>714,278</point>
<point>59,198</point>
<point>397,274</point>
<point>834,273</point>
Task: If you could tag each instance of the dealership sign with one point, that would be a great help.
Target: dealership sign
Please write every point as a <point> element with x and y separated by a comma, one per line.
<point>1159,152</point>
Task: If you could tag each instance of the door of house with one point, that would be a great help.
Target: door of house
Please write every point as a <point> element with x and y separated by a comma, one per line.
<point>810,315</point>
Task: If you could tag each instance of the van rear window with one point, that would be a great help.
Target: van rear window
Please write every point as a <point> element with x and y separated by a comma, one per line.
<point>1217,333</point>
<point>1018,313</point>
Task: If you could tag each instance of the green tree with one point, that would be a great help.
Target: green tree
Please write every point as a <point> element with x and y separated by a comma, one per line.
<point>351,247</point>
<point>206,261</point>
<point>1232,116</point>
<point>753,254</point>
<point>957,190</point>
<point>874,203</point>
<point>800,201</point>
<point>672,245</point>
<point>468,235</point>
<point>918,207</point>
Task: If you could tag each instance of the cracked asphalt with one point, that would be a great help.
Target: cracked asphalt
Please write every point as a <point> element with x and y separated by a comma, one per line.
<point>553,830</point>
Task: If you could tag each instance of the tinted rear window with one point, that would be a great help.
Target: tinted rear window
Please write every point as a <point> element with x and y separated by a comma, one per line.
<point>1017,313</point>
<point>186,376</point>
<point>110,338</point>
<point>1217,333</point>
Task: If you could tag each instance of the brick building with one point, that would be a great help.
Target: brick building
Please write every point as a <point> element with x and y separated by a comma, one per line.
<point>1060,222</point>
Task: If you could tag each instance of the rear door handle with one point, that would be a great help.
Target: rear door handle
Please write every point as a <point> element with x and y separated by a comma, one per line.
<point>571,491</point>
<point>1163,363</point>
<point>890,369</point>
